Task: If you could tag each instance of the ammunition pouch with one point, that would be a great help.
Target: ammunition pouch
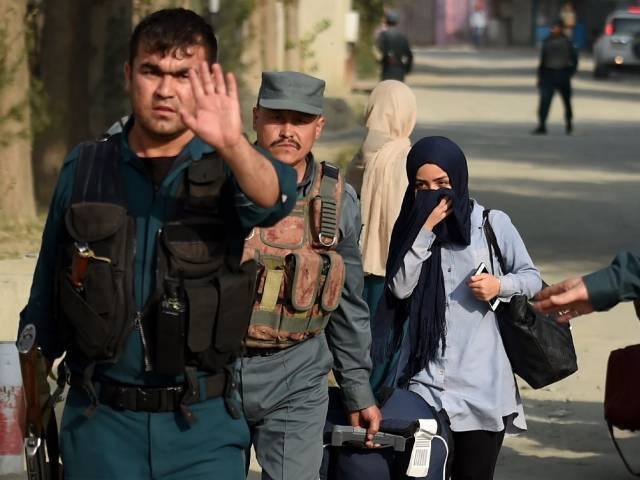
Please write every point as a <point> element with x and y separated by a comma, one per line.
<point>300,276</point>
<point>204,295</point>
<point>215,298</point>
<point>96,310</point>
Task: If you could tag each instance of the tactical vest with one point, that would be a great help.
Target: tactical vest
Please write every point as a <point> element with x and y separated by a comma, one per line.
<point>300,275</point>
<point>199,311</point>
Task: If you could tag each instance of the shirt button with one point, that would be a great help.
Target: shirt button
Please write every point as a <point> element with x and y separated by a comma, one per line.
<point>449,269</point>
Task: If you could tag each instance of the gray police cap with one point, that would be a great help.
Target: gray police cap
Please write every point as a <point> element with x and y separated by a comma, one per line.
<point>291,91</point>
<point>391,16</point>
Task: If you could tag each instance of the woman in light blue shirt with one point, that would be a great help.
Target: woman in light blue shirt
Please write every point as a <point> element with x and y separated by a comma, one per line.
<point>436,311</point>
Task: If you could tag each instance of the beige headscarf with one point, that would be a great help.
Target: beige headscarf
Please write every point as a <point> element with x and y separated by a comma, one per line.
<point>390,117</point>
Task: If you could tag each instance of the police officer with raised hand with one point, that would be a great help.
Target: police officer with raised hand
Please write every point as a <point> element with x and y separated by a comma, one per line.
<point>139,277</point>
<point>309,315</point>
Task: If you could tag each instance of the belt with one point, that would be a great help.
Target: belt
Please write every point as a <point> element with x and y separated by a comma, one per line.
<point>264,352</point>
<point>139,398</point>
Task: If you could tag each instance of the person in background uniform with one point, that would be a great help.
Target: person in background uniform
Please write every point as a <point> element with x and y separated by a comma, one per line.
<point>558,63</point>
<point>390,116</point>
<point>597,291</point>
<point>309,315</point>
<point>393,45</point>
<point>139,277</point>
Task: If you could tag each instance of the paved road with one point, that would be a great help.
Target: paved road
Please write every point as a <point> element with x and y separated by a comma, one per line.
<point>575,201</point>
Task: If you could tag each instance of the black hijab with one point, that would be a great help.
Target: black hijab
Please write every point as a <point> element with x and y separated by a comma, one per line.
<point>426,305</point>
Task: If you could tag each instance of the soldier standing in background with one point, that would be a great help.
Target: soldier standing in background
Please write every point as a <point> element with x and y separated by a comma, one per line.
<point>558,63</point>
<point>394,48</point>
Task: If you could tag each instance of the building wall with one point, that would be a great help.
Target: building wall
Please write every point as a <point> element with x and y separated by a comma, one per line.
<point>417,20</point>
<point>452,21</point>
<point>522,22</point>
<point>328,52</point>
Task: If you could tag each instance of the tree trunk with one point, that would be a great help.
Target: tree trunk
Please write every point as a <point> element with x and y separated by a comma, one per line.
<point>292,59</point>
<point>84,47</point>
<point>16,181</point>
<point>269,35</point>
<point>62,61</point>
<point>252,54</point>
<point>110,32</point>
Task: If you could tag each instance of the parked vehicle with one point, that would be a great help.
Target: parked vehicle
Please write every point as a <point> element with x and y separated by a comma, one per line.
<point>619,45</point>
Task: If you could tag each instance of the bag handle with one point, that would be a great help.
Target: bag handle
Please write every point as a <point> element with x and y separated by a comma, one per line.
<point>624,460</point>
<point>492,241</point>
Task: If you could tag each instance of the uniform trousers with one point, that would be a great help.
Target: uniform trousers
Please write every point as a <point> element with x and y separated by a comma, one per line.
<point>285,399</point>
<point>127,445</point>
<point>550,81</point>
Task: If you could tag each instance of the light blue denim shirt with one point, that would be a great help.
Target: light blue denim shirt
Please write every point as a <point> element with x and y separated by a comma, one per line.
<point>473,380</point>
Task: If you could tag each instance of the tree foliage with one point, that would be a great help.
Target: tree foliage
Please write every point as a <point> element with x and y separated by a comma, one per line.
<point>371,13</point>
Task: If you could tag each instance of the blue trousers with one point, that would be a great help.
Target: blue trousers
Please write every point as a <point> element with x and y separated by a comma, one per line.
<point>126,445</point>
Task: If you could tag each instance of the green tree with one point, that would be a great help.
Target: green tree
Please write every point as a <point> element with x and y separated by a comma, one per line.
<point>371,13</point>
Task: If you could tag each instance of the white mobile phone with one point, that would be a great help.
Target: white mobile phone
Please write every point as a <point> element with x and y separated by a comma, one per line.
<point>494,302</point>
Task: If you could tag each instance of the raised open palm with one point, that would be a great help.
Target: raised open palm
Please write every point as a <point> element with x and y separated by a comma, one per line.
<point>216,119</point>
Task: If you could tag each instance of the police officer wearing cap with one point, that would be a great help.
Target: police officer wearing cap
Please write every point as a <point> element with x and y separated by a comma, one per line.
<point>309,316</point>
<point>139,277</point>
<point>396,56</point>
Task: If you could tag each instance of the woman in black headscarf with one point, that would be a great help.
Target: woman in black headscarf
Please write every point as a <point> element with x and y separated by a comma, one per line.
<point>434,331</point>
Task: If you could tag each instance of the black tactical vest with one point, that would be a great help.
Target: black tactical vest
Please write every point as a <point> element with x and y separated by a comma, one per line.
<point>201,305</point>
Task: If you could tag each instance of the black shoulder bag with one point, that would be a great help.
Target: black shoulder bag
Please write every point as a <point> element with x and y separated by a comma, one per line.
<point>539,348</point>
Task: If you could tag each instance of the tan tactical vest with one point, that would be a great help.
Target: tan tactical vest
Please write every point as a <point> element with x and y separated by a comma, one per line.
<point>300,275</point>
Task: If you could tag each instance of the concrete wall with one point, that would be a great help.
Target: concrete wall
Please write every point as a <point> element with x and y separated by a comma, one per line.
<point>329,50</point>
<point>15,282</point>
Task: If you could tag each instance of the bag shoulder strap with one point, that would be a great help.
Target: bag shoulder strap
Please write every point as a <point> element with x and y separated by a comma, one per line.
<point>98,177</point>
<point>492,241</point>
<point>619,450</point>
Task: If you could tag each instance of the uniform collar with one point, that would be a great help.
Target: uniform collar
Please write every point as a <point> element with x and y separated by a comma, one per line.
<point>309,174</point>
<point>195,149</point>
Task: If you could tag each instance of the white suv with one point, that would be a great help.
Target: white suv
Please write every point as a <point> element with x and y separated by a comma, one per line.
<point>619,45</point>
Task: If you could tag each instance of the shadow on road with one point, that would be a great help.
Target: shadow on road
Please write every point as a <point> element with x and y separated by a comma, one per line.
<point>469,71</point>
<point>525,89</point>
<point>571,436</point>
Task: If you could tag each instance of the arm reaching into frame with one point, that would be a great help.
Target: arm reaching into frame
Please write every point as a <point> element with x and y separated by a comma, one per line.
<point>569,299</point>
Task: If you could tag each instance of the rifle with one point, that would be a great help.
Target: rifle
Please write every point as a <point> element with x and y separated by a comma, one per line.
<point>41,432</point>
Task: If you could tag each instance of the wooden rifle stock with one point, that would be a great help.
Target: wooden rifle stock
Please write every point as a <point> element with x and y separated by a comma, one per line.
<point>37,397</point>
